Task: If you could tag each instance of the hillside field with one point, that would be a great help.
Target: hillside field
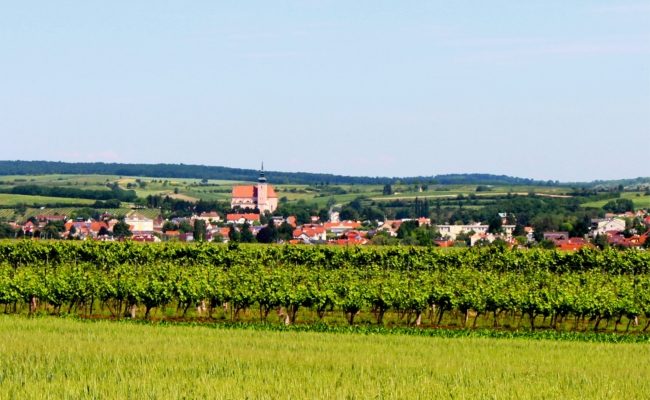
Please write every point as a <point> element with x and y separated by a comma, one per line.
<point>639,199</point>
<point>194,189</point>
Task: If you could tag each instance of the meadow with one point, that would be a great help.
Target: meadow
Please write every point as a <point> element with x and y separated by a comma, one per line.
<point>54,358</point>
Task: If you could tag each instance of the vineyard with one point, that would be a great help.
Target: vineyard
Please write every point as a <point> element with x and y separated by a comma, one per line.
<point>400,286</point>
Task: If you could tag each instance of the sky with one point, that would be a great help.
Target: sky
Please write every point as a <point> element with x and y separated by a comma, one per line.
<point>548,89</point>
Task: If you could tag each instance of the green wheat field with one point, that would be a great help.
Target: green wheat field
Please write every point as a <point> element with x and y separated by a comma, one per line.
<point>60,358</point>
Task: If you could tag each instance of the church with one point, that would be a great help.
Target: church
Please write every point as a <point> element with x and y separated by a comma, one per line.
<point>261,196</point>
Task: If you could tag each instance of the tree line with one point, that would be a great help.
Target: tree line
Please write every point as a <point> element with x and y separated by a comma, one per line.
<point>241,174</point>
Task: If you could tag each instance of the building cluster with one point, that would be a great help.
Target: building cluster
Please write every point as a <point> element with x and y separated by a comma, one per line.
<point>256,203</point>
<point>613,230</point>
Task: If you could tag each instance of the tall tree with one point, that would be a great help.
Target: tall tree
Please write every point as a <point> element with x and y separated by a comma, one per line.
<point>268,234</point>
<point>246,234</point>
<point>199,230</point>
<point>121,229</point>
<point>233,234</point>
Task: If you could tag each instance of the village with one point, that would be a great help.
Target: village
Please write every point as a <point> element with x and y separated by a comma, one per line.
<point>252,220</point>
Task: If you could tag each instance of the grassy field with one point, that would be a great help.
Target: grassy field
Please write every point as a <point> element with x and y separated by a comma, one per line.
<point>7,199</point>
<point>639,199</point>
<point>53,358</point>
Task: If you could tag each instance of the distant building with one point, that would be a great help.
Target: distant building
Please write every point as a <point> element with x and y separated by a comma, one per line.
<point>310,233</point>
<point>554,236</point>
<point>240,219</point>
<point>138,223</point>
<point>209,217</point>
<point>341,227</point>
<point>451,231</point>
<point>261,196</point>
<point>602,226</point>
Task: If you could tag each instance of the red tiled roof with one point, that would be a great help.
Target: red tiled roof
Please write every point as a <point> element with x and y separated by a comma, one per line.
<point>243,191</point>
<point>310,231</point>
<point>250,191</point>
<point>633,241</point>
<point>247,216</point>
<point>96,226</point>
<point>342,224</point>
<point>572,244</point>
<point>445,243</point>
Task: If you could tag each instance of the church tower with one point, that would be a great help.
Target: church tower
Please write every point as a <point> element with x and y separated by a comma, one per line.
<point>262,192</point>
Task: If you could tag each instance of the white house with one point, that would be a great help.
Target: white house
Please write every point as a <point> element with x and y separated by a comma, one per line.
<point>451,231</point>
<point>603,225</point>
<point>139,223</point>
<point>209,217</point>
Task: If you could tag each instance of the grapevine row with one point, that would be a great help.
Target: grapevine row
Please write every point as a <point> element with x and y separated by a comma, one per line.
<point>413,297</point>
<point>108,255</point>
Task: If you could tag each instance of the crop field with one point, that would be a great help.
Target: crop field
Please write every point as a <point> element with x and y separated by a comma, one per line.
<point>639,198</point>
<point>49,358</point>
<point>7,199</point>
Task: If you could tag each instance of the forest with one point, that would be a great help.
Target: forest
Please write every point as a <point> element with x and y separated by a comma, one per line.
<point>240,174</point>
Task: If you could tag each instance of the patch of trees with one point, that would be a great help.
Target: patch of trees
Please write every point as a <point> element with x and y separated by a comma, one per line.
<point>619,206</point>
<point>6,231</point>
<point>171,207</point>
<point>113,203</point>
<point>302,210</point>
<point>489,179</point>
<point>410,233</point>
<point>543,213</point>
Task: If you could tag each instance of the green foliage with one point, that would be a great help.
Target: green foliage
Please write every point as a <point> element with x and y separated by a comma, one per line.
<point>246,235</point>
<point>233,234</point>
<point>121,229</point>
<point>268,234</point>
<point>6,231</point>
<point>199,231</point>
<point>619,206</point>
<point>590,284</point>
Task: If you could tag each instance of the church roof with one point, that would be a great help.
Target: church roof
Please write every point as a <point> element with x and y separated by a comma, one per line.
<point>244,191</point>
<point>250,191</point>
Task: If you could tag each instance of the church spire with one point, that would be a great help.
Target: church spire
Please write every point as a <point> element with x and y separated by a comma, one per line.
<point>262,178</point>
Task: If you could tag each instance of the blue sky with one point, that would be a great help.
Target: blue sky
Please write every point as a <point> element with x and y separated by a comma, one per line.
<point>546,90</point>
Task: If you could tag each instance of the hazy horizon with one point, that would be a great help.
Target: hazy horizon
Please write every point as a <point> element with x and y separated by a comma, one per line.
<point>552,91</point>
